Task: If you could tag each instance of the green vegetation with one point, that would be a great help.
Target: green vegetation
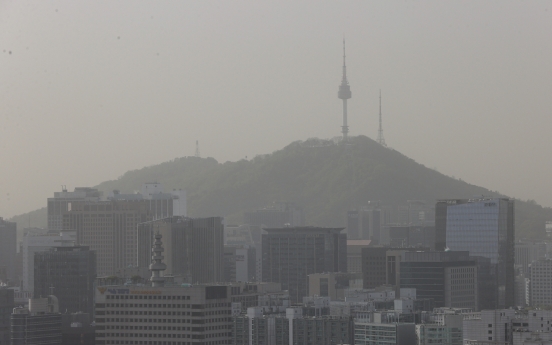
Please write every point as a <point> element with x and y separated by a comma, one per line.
<point>325,178</point>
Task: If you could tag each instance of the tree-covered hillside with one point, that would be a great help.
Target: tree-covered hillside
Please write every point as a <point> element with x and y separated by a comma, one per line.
<point>326,178</point>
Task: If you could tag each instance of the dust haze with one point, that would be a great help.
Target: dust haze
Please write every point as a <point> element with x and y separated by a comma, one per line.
<point>91,90</point>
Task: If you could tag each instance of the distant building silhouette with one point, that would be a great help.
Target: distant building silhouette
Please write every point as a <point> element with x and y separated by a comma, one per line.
<point>282,214</point>
<point>6,306</point>
<point>8,250</point>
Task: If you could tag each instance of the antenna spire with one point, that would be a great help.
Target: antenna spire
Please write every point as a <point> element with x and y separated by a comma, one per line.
<point>381,139</point>
<point>344,93</point>
<point>344,78</point>
<point>197,149</point>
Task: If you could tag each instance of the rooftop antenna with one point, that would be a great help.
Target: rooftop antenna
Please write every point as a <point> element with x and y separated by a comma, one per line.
<point>344,93</point>
<point>197,149</point>
<point>381,139</point>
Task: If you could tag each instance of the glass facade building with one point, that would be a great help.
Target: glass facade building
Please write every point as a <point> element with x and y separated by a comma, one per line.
<point>68,272</point>
<point>449,278</point>
<point>291,254</point>
<point>485,228</point>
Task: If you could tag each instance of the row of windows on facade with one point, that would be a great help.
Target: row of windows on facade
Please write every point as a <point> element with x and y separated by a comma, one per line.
<point>175,313</point>
<point>163,335</point>
<point>102,320</point>
<point>132,342</point>
<point>169,328</point>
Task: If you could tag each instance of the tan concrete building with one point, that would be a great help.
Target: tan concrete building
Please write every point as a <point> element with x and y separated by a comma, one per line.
<point>354,254</point>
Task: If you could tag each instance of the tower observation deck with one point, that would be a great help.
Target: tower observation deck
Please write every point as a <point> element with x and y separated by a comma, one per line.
<point>344,93</point>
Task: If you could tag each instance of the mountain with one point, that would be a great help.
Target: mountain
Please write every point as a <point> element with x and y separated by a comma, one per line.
<point>324,177</point>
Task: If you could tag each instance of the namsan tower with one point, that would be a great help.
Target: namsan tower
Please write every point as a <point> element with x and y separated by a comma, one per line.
<point>344,93</point>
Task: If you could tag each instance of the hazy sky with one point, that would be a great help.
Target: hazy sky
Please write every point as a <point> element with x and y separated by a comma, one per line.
<point>89,90</point>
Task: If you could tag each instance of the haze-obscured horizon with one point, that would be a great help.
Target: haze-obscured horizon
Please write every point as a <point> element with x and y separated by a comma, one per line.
<point>91,90</point>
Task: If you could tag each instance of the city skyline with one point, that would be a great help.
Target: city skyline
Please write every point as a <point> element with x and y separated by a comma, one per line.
<point>465,75</point>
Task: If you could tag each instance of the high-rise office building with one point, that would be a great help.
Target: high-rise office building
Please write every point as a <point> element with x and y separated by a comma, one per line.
<point>108,226</point>
<point>194,247</point>
<point>6,307</point>
<point>39,324</point>
<point>68,272</point>
<point>38,242</point>
<point>540,279</point>
<point>354,255</point>
<point>290,254</point>
<point>247,236</point>
<point>526,253</point>
<point>8,249</point>
<point>61,203</point>
<point>239,263</point>
<point>449,278</point>
<point>381,266</point>
<point>485,228</point>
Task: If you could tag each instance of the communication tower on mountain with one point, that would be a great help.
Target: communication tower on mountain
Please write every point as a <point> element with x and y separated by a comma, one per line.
<point>344,93</point>
<point>381,139</point>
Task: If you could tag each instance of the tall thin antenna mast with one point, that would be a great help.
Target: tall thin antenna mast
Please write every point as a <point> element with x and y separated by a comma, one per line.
<point>197,149</point>
<point>381,139</point>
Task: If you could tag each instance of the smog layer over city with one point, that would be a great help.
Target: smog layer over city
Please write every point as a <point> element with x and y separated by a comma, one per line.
<point>255,172</point>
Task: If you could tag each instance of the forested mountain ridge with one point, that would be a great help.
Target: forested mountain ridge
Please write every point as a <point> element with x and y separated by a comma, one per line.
<point>324,177</point>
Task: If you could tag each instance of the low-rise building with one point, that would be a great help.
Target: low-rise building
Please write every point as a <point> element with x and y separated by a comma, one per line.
<point>39,324</point>
<point>392,333</point>
<point>446,331</point>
